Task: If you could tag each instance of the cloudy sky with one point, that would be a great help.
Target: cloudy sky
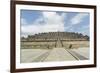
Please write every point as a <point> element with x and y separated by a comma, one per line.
<point>33,22</point>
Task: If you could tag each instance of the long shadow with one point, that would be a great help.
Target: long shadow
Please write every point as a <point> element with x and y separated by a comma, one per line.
<point>77,56</point>
<point>42,57</point>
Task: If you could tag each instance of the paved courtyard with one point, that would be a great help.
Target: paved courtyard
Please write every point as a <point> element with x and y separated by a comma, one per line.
<point>55,54</point>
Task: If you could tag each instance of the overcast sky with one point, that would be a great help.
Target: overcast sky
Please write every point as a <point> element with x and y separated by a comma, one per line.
<point>33,22</point>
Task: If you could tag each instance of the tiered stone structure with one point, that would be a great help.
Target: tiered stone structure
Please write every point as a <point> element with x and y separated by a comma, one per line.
<point>56,39</point>
<point>54,36</point>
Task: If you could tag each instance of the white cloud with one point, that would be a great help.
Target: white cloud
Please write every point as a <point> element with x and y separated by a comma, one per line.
<point>52,18</point>
<point>23,21</point>
<point>52,22</point>
<point>85,30</point>
<point>78,18</point>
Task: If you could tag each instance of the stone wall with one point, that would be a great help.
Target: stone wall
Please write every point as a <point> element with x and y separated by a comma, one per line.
<point>52,44</point>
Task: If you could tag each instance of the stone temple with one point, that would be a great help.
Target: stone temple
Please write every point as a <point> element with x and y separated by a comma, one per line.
<point>54,46</point>
<point>51,40</point>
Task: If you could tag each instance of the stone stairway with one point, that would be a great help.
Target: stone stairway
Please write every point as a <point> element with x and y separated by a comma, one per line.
<point>59,43</point>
